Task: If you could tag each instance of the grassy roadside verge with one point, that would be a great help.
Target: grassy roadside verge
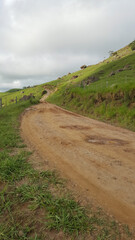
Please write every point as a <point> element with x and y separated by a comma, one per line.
<point>34,205</point>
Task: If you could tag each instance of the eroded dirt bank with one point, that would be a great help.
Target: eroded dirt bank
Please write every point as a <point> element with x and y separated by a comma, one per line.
<point>98,157</point>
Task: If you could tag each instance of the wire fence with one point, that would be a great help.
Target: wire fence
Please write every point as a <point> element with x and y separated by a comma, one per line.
<point>0,102</point>
<point>4,102</point>
<point>7,99</point>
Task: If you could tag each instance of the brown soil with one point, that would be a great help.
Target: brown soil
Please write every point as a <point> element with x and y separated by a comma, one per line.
<point>99,159</point>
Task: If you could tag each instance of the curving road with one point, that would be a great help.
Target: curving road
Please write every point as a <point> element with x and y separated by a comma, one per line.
<point>94,155</point>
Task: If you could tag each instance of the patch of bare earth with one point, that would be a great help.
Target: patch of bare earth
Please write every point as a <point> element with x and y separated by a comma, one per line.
<point>97,158</point>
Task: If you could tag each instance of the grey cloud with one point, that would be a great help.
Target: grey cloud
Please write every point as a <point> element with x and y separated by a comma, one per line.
<point>40,40</point>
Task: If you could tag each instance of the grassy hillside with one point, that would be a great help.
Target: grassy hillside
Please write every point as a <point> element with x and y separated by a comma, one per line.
<point>10,96</point>
<point>105,91</point>
<point>14,90</point>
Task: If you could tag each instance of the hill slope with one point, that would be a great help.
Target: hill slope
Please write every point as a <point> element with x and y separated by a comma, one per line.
<point>104,91</point>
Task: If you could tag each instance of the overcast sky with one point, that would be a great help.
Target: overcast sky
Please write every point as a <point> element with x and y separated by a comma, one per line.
<point>41,40</point>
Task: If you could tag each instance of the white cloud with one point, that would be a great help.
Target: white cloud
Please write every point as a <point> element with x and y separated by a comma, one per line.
<point>14,84</point>
<point>42,39</point>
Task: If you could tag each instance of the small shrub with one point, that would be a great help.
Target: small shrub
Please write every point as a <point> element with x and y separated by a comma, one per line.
<point>44,92</point>
<point>114,53</point>
<point>132,45</point>
<point>34,101</point>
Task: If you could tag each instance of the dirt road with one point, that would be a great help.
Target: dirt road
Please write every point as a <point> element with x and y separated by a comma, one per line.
<point>97,157</point>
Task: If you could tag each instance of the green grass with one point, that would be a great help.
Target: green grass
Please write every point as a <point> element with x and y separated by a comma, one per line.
<point>35,204</point>
<point>13,168</point>
<point>132,45</point>
<point>14,90</point>
<point>10,96</point>
<point>110,98</point>
<point>63,213</point>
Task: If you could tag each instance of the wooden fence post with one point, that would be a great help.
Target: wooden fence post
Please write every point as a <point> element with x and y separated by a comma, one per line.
<point>0,102</point>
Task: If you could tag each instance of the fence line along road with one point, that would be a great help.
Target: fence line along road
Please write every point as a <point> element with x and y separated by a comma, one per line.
<point>3,103</point>
<point>0,102</point>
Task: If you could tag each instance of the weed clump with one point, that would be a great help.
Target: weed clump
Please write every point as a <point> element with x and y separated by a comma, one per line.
<point>132,45</point>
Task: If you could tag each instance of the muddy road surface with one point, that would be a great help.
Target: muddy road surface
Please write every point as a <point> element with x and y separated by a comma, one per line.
<point>96,157</point>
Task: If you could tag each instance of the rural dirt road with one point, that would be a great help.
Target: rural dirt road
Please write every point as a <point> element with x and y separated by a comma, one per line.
<point>96,157</point>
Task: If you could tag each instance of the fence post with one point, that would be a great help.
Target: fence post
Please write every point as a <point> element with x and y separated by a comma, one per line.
<point>0,102</point>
